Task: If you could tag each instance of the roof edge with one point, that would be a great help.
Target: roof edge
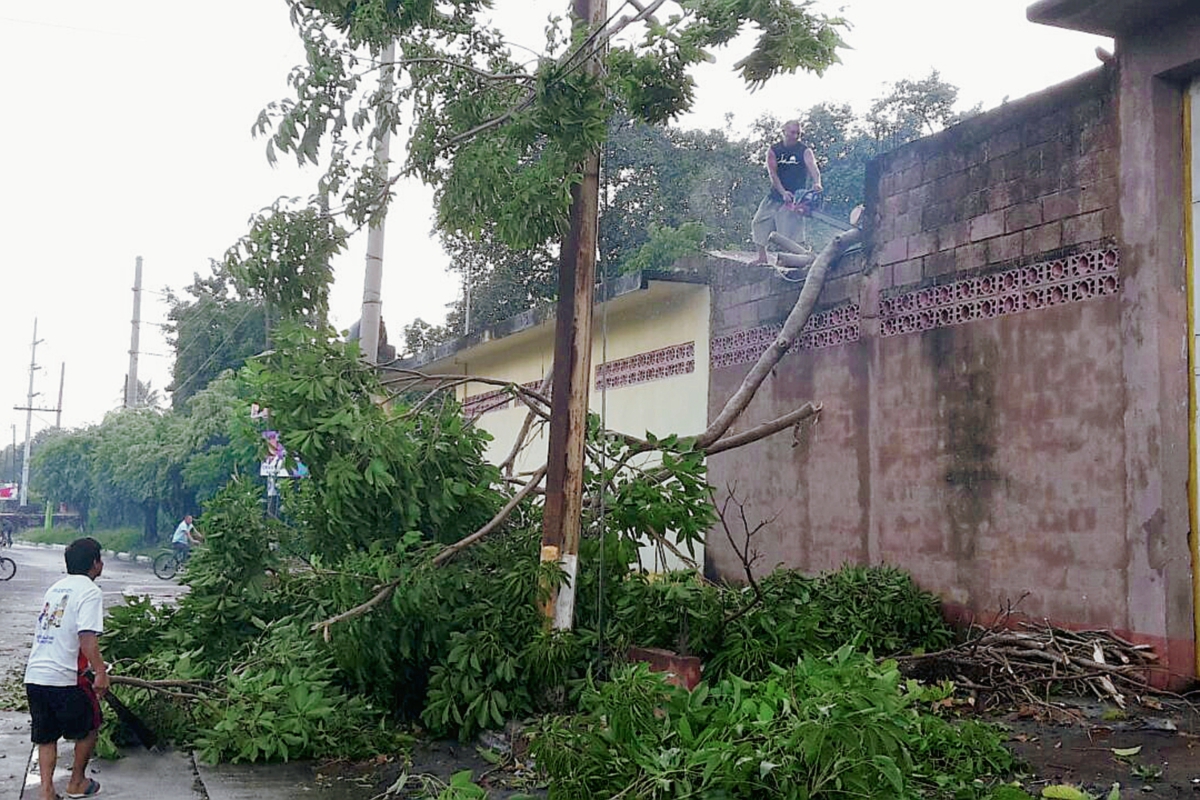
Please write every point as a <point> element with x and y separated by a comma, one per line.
<point>623,285</point>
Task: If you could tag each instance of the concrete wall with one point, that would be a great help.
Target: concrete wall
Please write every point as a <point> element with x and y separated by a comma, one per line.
<point>653,360</point>
<point>994,418</point>
<point>1153,68</point>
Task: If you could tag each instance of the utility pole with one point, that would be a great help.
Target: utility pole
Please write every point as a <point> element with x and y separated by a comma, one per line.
<point>372,312</point>
<point>562,516</point>
<point>33,368</point>
<point>131,380</point>
<point>62,379</point>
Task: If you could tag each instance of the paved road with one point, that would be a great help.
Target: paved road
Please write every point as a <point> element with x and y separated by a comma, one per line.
<point>20,603</point>
<point>139,775</point>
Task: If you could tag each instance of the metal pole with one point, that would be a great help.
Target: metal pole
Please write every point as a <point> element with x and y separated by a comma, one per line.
<point>131,380</point>
<point>62,379</point>
<point>562,516</point>
<point>33,367</point>
<point>372,311</point>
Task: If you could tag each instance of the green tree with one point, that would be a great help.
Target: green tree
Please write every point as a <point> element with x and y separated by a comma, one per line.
<point>61,469</point>
<point>501,144</point>
<point>136,462</point>
<point>914,108</point>
<point>220,440</point>
<point>212,329</point>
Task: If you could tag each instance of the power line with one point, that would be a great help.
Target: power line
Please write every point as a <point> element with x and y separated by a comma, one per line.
<point>215,351</point>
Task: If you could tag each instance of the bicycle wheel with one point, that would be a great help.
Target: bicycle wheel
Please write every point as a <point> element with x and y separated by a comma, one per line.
<point>8,568</point>
<point>166,565</point>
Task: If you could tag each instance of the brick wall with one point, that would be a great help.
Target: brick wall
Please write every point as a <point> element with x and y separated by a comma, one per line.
<point>973,423</point>
<point>1027,180</point>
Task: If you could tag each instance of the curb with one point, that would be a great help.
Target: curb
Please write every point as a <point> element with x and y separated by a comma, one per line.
<point>108,554</point>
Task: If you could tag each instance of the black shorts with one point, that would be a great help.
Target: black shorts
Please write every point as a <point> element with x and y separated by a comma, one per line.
<point>60,712</point>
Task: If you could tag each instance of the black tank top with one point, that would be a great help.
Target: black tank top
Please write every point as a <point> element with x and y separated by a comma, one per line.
<point>789,166</point>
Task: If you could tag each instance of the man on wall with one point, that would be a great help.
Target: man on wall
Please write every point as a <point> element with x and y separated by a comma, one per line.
<point>789,162</point>
<point>62,704</point>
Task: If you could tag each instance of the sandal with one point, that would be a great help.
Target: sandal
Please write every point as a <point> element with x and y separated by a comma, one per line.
<point>93,789</point>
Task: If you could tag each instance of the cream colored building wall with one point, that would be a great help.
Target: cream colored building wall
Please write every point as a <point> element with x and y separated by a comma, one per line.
<point>661,316</point>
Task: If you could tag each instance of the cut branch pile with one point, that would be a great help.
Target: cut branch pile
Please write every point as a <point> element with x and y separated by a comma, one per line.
<point>1030,661</point>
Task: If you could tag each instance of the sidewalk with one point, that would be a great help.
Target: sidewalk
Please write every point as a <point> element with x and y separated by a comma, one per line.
<point>165,775</point>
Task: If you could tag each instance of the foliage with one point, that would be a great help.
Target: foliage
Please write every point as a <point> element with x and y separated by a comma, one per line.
<point>743,632</point>
<point>375,475</point>
<point>214,331</point>
<point>459,646</point>
<point>668,192</point>
<point>914,108</point>
<point>285,261</point>
<point>219,438</point>
<point>151,464</point>
<point>833,726</point>
<point>420,335</point>
<point>61,468</point>
<point>665,246</point>
<point>136,461</point>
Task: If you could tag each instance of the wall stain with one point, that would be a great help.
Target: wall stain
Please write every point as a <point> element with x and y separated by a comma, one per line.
<point>965,388</point>
<point>1155,529</point>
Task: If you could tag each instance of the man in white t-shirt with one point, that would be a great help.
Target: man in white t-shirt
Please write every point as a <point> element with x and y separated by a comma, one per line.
<point>186,535</point>
<point>61,703</point>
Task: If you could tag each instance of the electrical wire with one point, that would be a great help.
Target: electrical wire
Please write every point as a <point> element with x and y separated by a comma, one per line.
<point>216,350</point>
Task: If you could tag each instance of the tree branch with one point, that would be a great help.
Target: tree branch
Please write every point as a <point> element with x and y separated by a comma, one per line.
<point>506,466</point>
<point>454,549</point>
<point>764,430</point>
<point>795,322</point>
<point>445,555</point>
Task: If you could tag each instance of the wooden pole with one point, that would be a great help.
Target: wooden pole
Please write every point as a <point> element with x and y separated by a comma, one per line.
<point>561,521</point>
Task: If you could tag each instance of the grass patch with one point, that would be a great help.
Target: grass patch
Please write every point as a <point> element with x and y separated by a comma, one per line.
<point>121,540</point>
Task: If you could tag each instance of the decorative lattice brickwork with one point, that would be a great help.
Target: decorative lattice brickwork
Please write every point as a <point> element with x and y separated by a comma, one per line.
<point>479,404</point>
<point>836,326</point>
<point>678,359</point>
<point>1071,279</point>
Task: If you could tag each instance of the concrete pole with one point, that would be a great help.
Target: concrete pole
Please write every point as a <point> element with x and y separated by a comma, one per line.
<point>562,516</point>
<point>131,379</point>
<point>62,379</point>
<point>372,308</point>
<point>33,368</point>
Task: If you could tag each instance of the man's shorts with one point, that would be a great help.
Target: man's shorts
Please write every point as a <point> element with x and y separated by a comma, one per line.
<point>60,712</point>
<point>772,216</point>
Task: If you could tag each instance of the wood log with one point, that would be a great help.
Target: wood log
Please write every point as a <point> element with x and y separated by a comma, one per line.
<point>784,243</point>
<point>795,260</point>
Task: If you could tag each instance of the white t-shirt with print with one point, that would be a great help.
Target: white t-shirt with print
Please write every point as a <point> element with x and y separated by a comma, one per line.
<point>181,533</point>
<point>72,605</point>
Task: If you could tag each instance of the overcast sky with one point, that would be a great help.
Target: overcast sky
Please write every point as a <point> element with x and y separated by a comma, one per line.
<point>127,133</point>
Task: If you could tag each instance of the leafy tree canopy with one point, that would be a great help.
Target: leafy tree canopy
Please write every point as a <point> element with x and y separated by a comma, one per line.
<point>213,330</point>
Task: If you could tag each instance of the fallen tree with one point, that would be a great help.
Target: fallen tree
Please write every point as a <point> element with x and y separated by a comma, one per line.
<point>713,440</point>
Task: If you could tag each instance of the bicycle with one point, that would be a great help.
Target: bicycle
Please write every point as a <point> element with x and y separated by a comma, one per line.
<point>8,568</point>
<point>167,564</point>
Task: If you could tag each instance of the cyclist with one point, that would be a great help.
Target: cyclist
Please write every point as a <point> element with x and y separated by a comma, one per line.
<point>186,534</point>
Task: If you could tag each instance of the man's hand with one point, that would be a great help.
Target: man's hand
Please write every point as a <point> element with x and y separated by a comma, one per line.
<point>788,197</point>
<point>101,684</point>
<point>817,187</point>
